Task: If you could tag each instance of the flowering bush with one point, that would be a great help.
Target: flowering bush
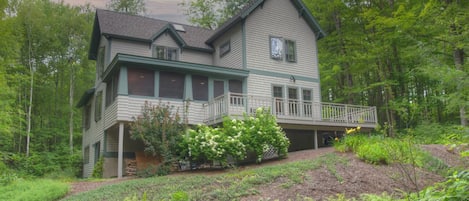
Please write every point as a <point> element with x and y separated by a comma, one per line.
<point>207,143</point>
<point>259,133</point>
<point>256,134</point>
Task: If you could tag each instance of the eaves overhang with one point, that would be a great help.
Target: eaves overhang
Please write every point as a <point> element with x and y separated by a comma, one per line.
<point>166,65</point>
<point>85,97</point>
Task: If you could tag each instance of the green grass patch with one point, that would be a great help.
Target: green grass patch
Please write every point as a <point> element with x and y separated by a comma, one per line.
<point>33,190</point>
<point>229,186</point>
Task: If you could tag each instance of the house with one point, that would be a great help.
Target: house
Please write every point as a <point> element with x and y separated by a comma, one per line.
<point>265,56</point>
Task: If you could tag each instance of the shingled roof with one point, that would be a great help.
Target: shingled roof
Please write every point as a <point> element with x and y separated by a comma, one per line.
<point>139,28</point>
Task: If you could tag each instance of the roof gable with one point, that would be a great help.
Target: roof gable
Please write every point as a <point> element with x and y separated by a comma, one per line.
<point>253,4</point>
<point>138,28</point>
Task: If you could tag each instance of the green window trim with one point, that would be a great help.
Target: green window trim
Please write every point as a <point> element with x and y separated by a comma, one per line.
<point>166,53</point>
<point>290,51</point>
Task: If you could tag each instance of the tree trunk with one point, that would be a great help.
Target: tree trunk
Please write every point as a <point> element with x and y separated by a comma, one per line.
<point>72,89</point>
<point>458,56</point>
<point>31,87</point>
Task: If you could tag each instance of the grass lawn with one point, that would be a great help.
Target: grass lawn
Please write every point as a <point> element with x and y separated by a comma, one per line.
<point>34,190</point>
<point>228,186</point>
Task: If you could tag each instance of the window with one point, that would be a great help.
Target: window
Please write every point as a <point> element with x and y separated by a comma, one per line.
<point>86,155</point>
<point>293,101</point>
<point>308,105</point>
<point>98,106</point>
<point>166,53</point>
<point>218,88</point>
<point>97,150</point>
<point>111,89</point>
<point>141,82</point>
<point>200,87</point>
<point>87,117</point>
<point>276,48</point>
<point>225,48</point>
<point>290,51</point>
<point>100,62</point>
<point>172,85</point>
<point>278,96</point>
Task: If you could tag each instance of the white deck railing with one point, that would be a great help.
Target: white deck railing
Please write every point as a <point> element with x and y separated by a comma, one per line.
<point>233,104</point>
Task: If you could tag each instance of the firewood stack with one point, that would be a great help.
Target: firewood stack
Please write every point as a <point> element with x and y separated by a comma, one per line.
<point>131,168</point>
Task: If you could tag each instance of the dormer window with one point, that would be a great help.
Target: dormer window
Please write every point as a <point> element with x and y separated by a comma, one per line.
<point>166,53</point>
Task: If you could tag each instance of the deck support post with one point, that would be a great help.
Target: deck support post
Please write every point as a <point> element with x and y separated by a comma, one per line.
<point>315,139</point>
<point>120,152</point>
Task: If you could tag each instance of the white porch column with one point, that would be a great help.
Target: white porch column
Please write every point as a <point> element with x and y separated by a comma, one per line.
<point>315,139</point>
<point>120,152</point>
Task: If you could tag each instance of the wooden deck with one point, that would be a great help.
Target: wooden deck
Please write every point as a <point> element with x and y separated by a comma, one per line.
<point>290,111</point>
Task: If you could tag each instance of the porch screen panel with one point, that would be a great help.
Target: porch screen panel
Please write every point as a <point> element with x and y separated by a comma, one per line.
<point>236,86</point>
<point>171,85</point>
<point>141,82</point>
<point>200,87</point>
<point>218,88</point>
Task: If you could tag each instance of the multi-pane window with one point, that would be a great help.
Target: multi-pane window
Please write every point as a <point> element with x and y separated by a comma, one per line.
<point>307,104</point>
<point>278,95</point>
<point>141,82</point>
<point>100,62</point>
<point>218,88</point>
<point>200,87</point>
<point>171,85</point>
<point>97,150</point>
<point>290,51</point>
<point>293,101</point>
<point>98,106</point>
<point>225,48</point>
<point>166,53</point>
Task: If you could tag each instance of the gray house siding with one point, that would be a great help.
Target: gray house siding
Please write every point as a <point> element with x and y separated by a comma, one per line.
<point>280,18</point>
<point>129,47</point>
<point>232,59</point>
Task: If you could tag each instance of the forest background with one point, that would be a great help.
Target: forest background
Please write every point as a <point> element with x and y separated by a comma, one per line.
<point>407,58</point>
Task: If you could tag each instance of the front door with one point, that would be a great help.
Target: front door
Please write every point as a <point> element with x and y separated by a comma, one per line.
<point>293,101</point>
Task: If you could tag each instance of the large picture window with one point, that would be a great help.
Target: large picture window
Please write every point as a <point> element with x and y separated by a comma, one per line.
<point>141,82</point>
<point>166,53</point>
<point>172,85</point>
<point>200,87</point>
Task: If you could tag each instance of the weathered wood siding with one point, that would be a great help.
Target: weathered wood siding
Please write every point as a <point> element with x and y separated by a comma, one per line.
<point>281,19</point>
<point>233,59</point>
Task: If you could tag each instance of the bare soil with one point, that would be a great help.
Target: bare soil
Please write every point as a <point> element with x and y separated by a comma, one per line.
<point>351,179</point>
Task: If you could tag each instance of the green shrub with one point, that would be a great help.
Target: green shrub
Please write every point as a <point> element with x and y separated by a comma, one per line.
<point>32,190</point>
<point>455,188</point>
<point>374,153</point>
<point>235,139</point>
<point>98,168</point>
<point>159,127</point>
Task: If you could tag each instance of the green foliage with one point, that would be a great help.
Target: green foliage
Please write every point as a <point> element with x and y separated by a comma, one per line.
<point>135,198</point>
<point>98,168</point>
<point>127,6</point>
<point>232,185</point>
<point>159,127</point>
<point>431,133</point>
<point>455,188</point>
<point>34,190</point>
<point>211,13</point>
<point>235,139</point>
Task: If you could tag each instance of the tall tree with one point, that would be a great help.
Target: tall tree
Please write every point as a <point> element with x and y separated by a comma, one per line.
<point>134,7</point>
<point>211,13</point>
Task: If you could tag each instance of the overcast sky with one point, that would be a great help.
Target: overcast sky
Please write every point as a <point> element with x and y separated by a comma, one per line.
<point>161,9</point>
